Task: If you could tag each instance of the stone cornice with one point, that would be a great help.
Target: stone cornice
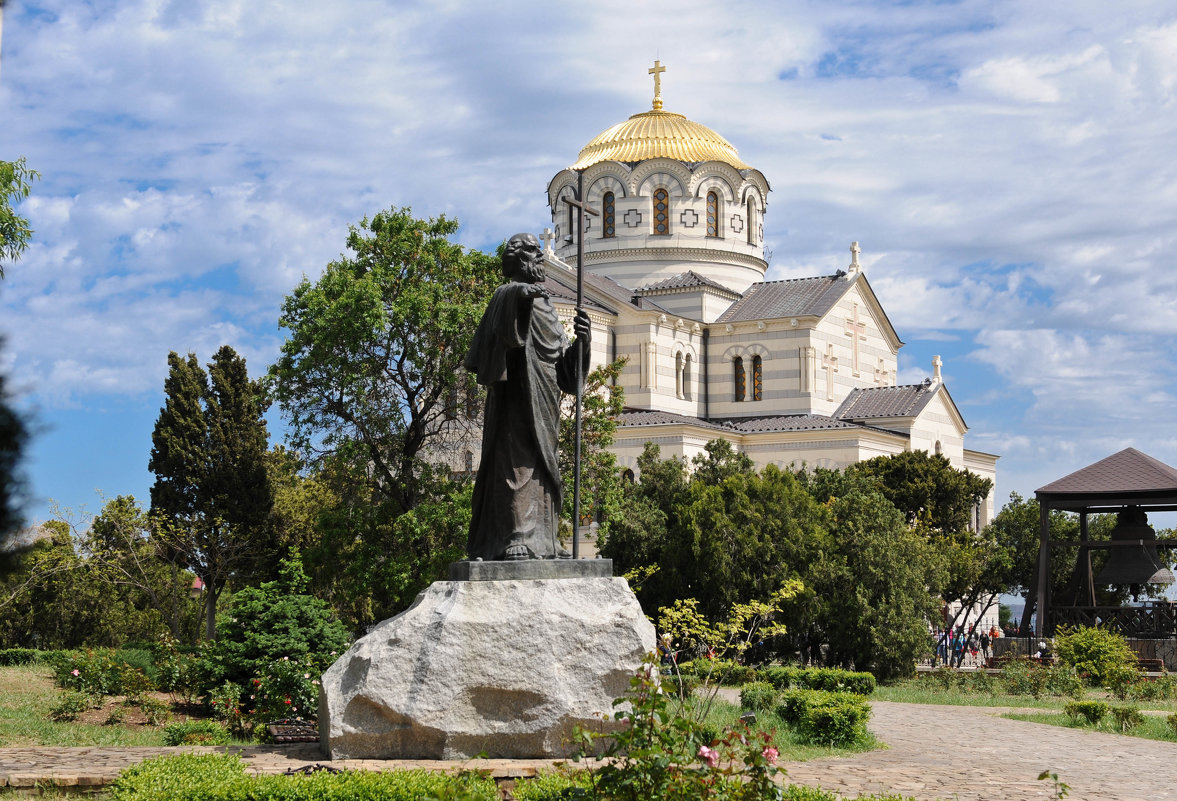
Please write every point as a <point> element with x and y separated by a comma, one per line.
<point>690,254</point>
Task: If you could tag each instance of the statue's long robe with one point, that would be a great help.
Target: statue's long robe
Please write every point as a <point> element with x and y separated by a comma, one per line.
<point>518,353</point>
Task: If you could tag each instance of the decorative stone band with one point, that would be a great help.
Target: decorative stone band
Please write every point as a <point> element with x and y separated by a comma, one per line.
<point>531,569</point>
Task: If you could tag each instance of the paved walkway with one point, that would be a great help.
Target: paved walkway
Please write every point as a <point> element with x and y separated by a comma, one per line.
<point>935,752</point>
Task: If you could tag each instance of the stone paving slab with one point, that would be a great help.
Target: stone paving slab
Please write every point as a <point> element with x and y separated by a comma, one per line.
<point>934,752</point>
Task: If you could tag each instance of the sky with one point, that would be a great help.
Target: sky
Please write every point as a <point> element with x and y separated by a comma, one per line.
<point>1008,168</point>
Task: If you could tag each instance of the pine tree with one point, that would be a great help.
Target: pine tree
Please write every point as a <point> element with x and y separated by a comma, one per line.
<point>212,496</point>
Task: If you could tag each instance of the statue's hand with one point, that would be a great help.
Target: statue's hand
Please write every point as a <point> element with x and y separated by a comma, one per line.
<point>583,327</point>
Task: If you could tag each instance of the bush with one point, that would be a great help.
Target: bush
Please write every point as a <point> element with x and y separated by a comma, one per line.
<point>827,718</point>
<point>836,680</point>
<point>683,685</point>
<point>781,676</point>
<point>10,657</point>
<point>266,623</point>
<point>100,671</point>
<point>757,696</point>
<point>945,678</point>
<point>1091,711</point>
<point>1093,651</point>
<point>72,703</point>
<point>1063,680</point>
<point>1162,688</point>
<point>1127,717</point>
<point>1023,677</point>
<point>196,732</point>
<point>981,682</point>
<point>553,786</point>
<point>1122,681</point>
<point>213,777</point>
<point>1172,721</point>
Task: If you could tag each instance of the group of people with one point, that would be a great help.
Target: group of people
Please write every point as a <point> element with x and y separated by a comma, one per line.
<point>954,645</point>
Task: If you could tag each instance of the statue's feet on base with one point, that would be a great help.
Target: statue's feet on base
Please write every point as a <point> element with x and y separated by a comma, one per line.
<point>516,553</point>
<point>563,554</point>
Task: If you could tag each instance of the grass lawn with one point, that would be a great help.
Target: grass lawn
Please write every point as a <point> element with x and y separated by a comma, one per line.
<point>923,691</point>
<point>27,695</point>
<point>1154,727</point>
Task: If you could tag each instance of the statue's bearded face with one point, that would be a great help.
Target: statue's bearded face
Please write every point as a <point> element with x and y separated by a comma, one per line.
<point>523,259</point>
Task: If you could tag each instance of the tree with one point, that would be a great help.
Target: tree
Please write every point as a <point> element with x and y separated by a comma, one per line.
<point>375,352</point>
<point>212,492</point>
<point>600,479</point>
<point>927,488</point>
<point>15,183</point>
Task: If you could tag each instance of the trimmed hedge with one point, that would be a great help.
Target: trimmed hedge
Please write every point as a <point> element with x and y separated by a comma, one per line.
<point>827,718</point>
<point>756,696</point>
<point>829,679</point>
<point>221,777</point>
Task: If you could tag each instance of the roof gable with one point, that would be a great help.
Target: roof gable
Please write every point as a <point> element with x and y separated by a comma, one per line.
<point>1123,472</point>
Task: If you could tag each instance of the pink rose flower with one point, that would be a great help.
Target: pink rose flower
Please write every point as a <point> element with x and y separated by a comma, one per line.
<point>75,672</point>
<point>709,755</point>
<point>770,754</point>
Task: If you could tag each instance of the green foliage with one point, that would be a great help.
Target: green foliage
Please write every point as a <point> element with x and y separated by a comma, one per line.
<point>269,622</point>
<point>73,703</point>
<point>19,656</point>
<point>195,732</point>
<point>375,350</point>
<point>16,181</point>
<point>1064,680</point>
<point>1060,789</point>
<point>1091,711</point>
<point>600,477</point>
<point>829,679</point>
<point>655,754</point>
<point>1095,652</point>
<point>286,688</point>
<point>217,777</point>
<point>926,488</point>
<point>1127,717</point>
<point>212,496</point>
<point>102,671</point>
<point>554,786</point>
<point>830,718</point>
<point>1172,721</point>
<point>757,696</point>
<point>1023,677</point>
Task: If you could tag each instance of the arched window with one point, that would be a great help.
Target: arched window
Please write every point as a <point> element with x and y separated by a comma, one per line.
<point>686,377</point>
<point>678,375</point>
<point>713,214</point>
<point>572,232</point>
<point>751,221</point>
<point>757,379</point>
<point>469,462</point>
<point>609,216</point>
<point>740,378</point>
<point>661,212</point>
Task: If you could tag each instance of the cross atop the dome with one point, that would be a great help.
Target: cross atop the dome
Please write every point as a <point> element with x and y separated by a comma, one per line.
<point>657,71</point>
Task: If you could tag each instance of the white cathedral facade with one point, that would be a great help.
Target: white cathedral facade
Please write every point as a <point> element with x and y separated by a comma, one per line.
<point>798,372</point>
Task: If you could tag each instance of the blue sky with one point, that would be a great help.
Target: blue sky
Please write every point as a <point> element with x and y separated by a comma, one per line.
<point>1007,167</point>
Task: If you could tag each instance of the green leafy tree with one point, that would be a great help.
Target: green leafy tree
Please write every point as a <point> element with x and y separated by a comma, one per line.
<point>212,493</point>
<point>16,181</point>
<point>600,478</point>
<point>927,489</point>
<point>15,233</point>
<point>875,588</point>
<point>375,349</point>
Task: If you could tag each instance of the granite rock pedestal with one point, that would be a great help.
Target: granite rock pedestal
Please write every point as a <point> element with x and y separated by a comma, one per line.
<point>494,664</point>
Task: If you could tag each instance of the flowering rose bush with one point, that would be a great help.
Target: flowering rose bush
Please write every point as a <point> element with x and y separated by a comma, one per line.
<point>287,688</point>
<point>657,754</point>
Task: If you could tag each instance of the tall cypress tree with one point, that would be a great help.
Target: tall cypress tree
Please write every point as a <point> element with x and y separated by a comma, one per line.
<point>208,455</point>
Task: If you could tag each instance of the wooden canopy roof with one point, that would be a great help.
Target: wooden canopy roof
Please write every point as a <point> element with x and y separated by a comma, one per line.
<point>1127,478</point>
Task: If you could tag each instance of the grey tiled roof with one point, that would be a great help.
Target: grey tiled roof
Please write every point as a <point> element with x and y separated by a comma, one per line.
<point>564,288</point>
<point>688,280</point>
<point>1123,472</point>
<point>647,417</point>
<point>786,422</point>
<point>873,402</point>
<point>741,425</point>
<point>795,297</point>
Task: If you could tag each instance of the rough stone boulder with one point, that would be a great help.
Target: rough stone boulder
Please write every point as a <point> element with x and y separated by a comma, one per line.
<point>507,668</point>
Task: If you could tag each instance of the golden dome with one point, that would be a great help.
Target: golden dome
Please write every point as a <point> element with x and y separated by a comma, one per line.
<point>658,134</point>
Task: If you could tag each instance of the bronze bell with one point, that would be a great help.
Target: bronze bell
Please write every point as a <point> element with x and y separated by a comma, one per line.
<point>1134,565</point>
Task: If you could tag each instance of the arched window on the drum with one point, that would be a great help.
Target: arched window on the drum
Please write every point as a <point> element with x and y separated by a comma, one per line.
<point>741,380</point>
<point>713,214</point>
<point>751,221</point>
<point>686,377</point>
<point>678,376</point>
<point>757,378</point>
<point>661,212</point>
<point>608,216</point>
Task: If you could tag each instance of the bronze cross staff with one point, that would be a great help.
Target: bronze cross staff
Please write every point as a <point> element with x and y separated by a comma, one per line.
<point>582,208</point>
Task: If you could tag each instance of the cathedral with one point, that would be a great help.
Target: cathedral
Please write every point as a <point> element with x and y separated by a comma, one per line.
<point>797,372</point>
